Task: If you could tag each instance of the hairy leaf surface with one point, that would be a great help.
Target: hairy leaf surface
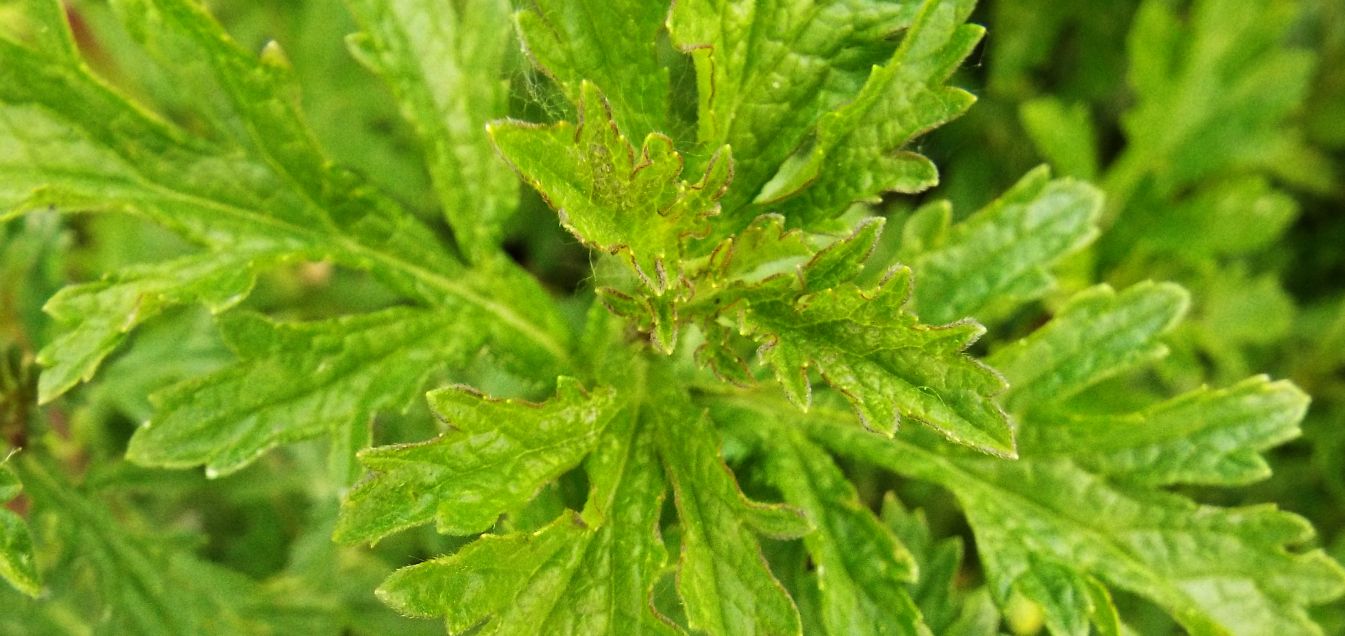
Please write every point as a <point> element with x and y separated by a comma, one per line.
<point>611,195</point>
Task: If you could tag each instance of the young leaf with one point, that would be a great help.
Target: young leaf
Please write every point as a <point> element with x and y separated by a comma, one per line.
<point>1001,254</point>
<point>612,44</point>
<point>608,196</point>
<point>17,565</point>
<point>496,455</point>
<point>443,64</point>
<point>296,381</point>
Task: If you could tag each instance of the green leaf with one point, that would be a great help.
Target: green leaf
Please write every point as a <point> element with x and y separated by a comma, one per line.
<point>98,316</point>
<point>250,99</point>
<point>1064,135</point>
<point>496,455</point>
<point>945,602</point>
<point>1099,334</point>
<point>258,187</point>
<point>612,591</point>
<point>865,345</point>
<point>1000,255</point>
<point>861,149</point>
<point>582,574</point>
<point>767,70</point>
<point>1215,570</point>
<point>612,44</point>
<point>1213,96</point>
<point>17,565</point>
<point>504,582</point>
<point>42,24</point>
<point>1047,527</point>
<point>442,64</point>
<point>764,248</point>
<point>1206,436</point>
<point>723,579</point>
<point>1230,217</point>
<point>146,586</point>
<point>296,381</point>
<point>611,197</point>
<point>1221,586</point>
<point>1065,601</point>
<point>861,567</point>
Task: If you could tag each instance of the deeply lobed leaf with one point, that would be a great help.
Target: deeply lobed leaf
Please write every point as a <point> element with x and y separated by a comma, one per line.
<point>722,577</point>
<point>859,151</point>
<point>433,56</point>
<point>296,381</point>
<point>865,345</point>
<point>589,573</point>
<point>862,568</point>
<point>766,71</point>
<point>496,455</point>
<point>1049,529</point>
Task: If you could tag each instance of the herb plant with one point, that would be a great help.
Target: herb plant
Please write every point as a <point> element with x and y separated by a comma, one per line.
<point>729,420</point>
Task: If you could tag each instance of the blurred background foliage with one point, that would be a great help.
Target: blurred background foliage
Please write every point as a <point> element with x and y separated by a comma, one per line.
<point>1216,128</point>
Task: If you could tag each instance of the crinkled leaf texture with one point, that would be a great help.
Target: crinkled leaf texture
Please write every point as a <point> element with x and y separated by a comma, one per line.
<point>857,335</point>
<point>296,381</point>
<point>865,345</point>
<point>1071,514</point>
<point>612,196</point>
<point>751,232</point>
<point>1001,255</point>
<point>254,191</point>
<point>495,456</point>
<point>820,97</point>
<point>586,571</point>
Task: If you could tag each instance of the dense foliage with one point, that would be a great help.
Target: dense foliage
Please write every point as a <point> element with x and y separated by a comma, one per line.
<point>629,317</point>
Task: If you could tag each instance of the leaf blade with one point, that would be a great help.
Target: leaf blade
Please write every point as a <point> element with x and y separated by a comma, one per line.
<point>459,480</point>
<point>296,381</point>
<point>428,54</point>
